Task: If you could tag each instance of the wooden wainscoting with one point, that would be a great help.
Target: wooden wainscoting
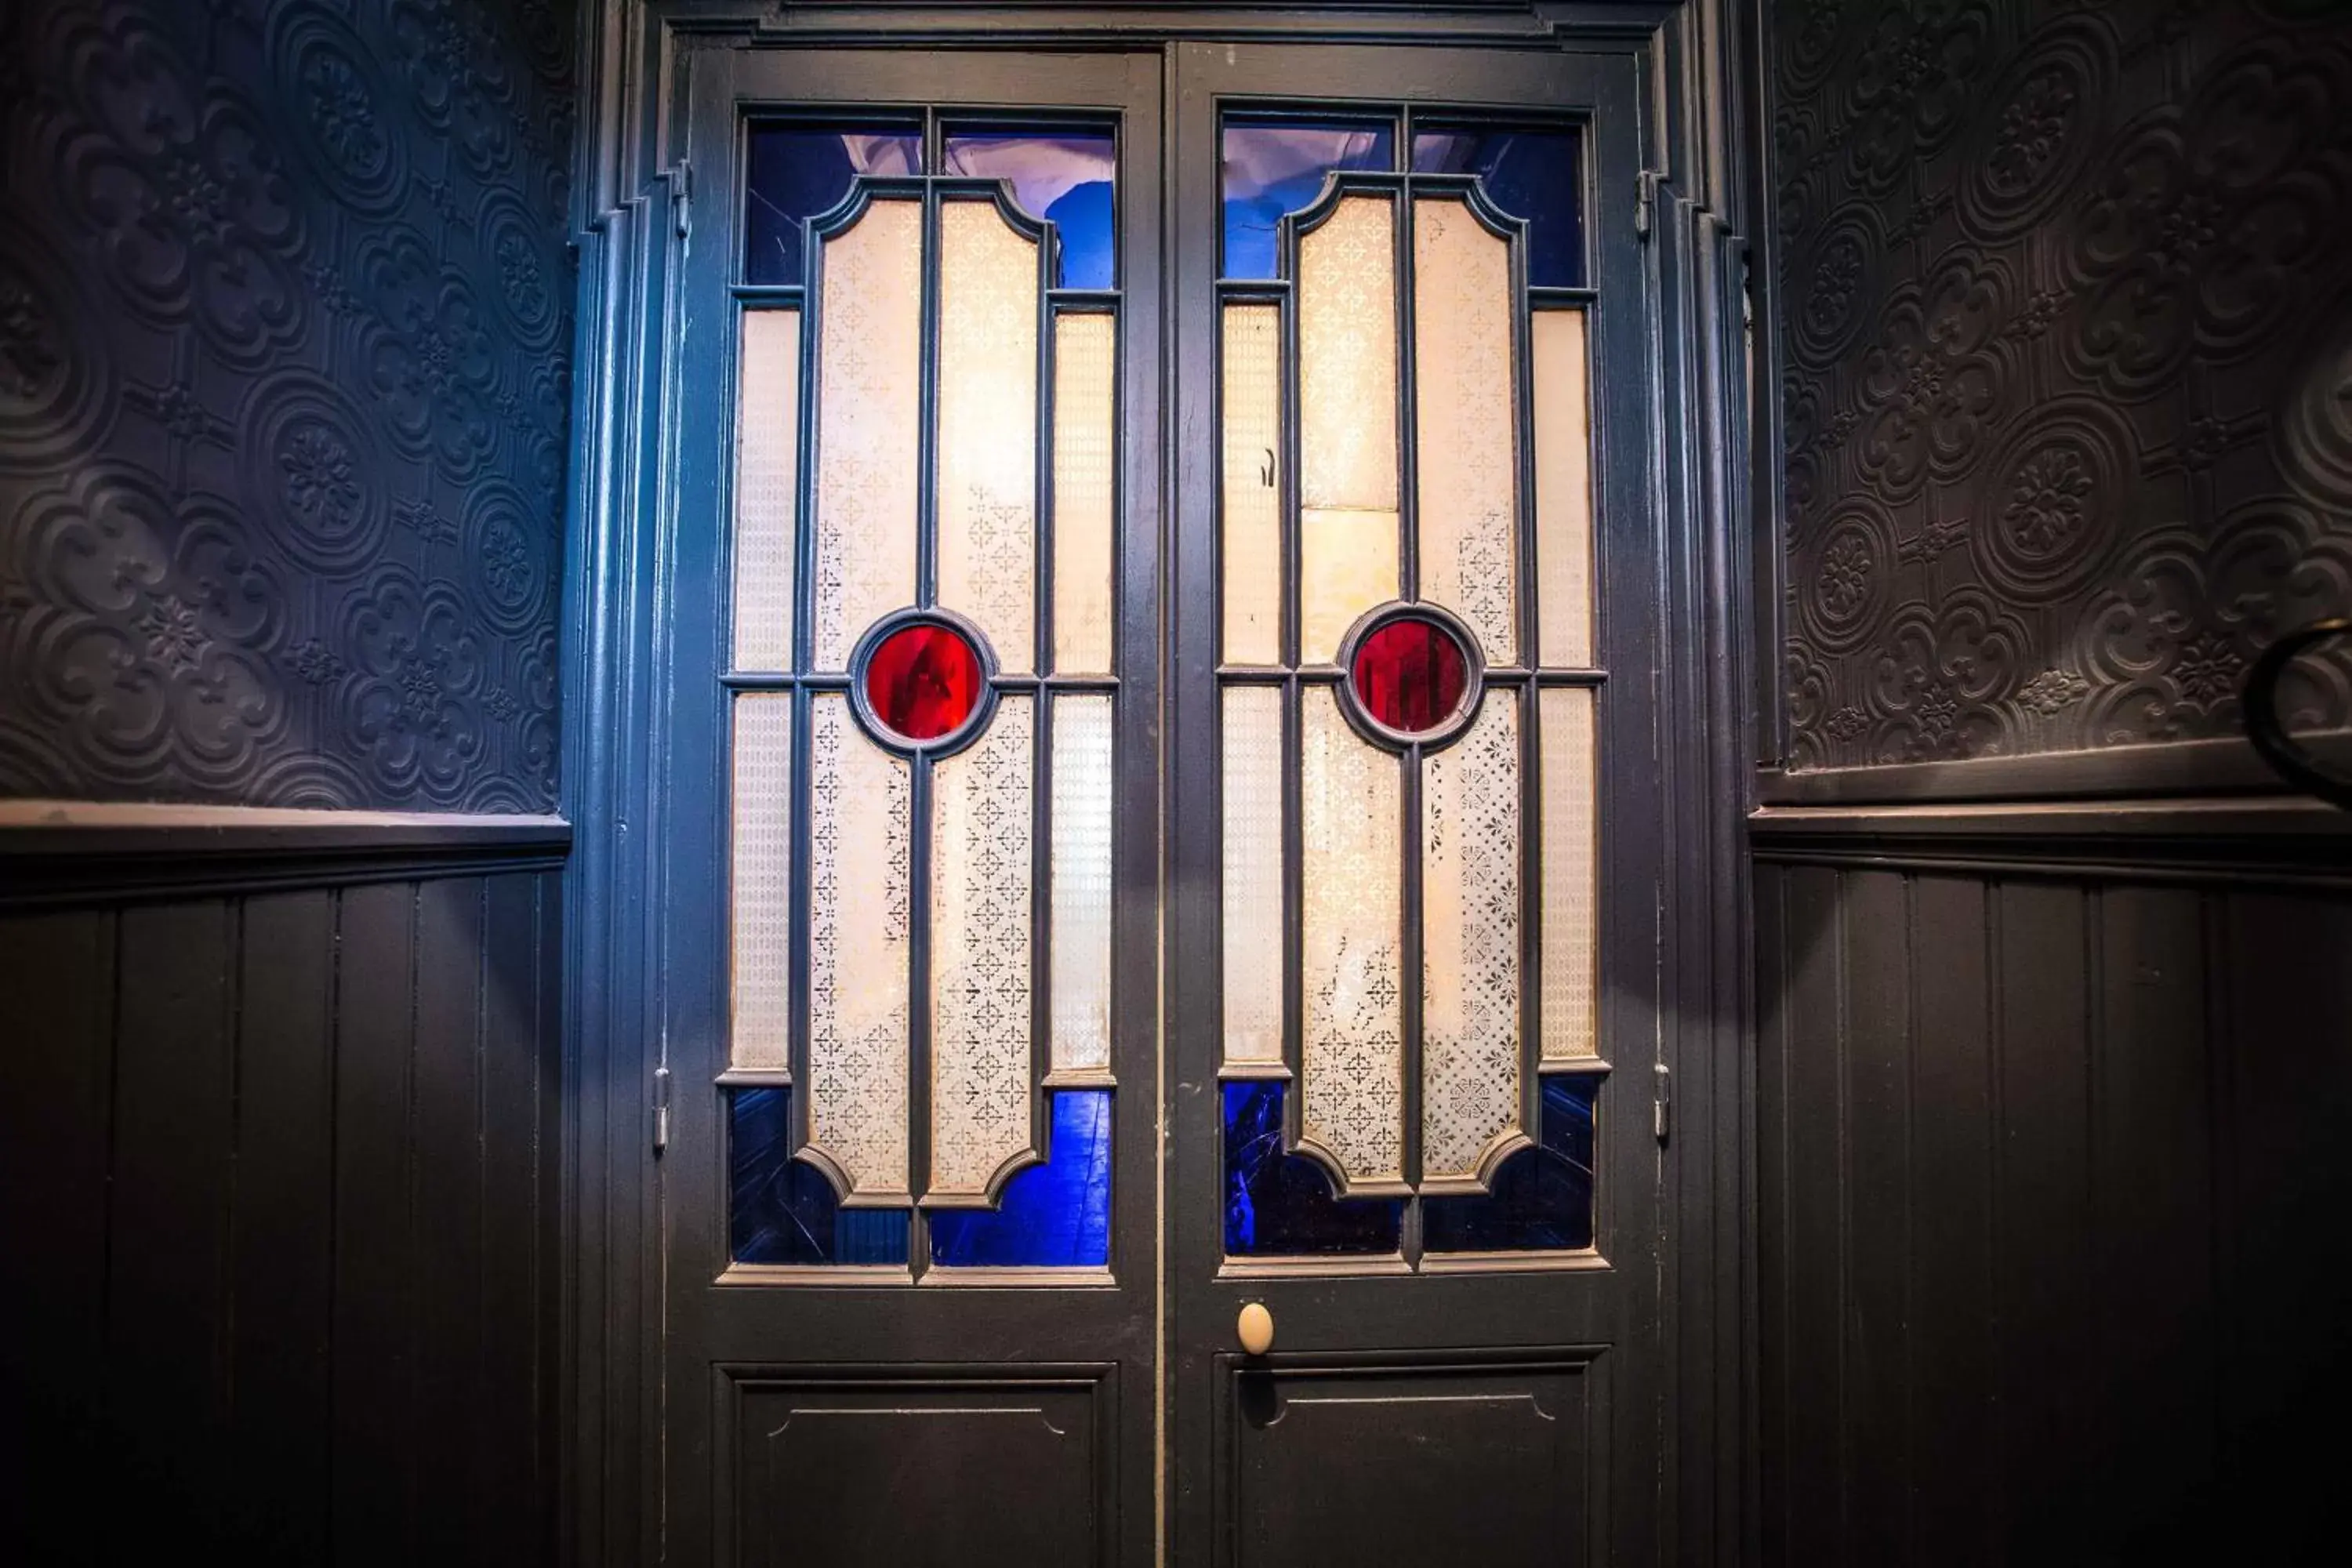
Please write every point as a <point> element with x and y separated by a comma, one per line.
<point>2055,1260</point>
<point>279,1181</point>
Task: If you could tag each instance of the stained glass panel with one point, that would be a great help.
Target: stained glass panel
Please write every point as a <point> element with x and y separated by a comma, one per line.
<point>1056,1214</point>
<point>1570,939</point>
<point>1081,858</point>
<point>988,427</point>
<point>1531,175</point>
<point>869,411</point>
<point>762,845</point>
<point>1066,177</point>
<point>1351,1057</point>
<point>767,484</point>
<point>1466,436</point>
<point>1470,943</point>
<point>1251,900</point>
<point>1086,488</point>
<point>1563,464</point>
<point>783,1210</point>
<point>1251,520</point>
<point>795,171</point>
<point>860,913</point>
<point>1269,169</point>
<point>1347,420</point>
<point>1277,1203</point>
<point>1541,1197</point>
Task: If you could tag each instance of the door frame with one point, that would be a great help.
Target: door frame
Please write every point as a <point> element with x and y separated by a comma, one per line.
<point>634,205</point>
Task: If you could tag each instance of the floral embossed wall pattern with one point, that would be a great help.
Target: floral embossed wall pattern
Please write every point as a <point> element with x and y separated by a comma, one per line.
<point>285,312</point>
<point>2067,401</point>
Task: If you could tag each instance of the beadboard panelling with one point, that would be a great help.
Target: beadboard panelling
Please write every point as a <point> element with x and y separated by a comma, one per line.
<point>2051,1245</point>
<point>279,1175</point>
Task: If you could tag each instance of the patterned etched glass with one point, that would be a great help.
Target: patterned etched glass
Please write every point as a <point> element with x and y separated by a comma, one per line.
<point>1081,852</point>
<point>860,918</point>
<point>1347,420</point>
<point>988,427</point>
<point>1352,1056</point>
<point>1252,897</point>
<point>869,412</point>
<point>1269,168</point>
<point>767,487</point>
<point>799,171</point>
<point>1466,421</point>
<point>762,884</point>
<point>1251,484</point>
<point>1470,944</point>
<point>1563,465</point>
<point>1085,489</point>
<point>1535,175</point>
<point>1570,1028</point>
<point>980,884</point>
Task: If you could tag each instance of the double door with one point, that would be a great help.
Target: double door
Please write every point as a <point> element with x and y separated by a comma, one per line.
<point>1161,958</point>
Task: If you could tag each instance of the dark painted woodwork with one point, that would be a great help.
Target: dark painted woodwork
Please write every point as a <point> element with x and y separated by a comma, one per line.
<point>1402,1460</point>
<point>2051,1239</point>
<point>711,1315</point>
<point>649,224</point>
<point>279,1183</point>
<point>1017,1468</point>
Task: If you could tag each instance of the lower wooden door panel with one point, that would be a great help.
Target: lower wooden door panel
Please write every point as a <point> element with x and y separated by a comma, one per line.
<point>1367,1460</point>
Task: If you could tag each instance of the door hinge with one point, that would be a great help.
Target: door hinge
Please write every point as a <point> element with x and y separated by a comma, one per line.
<point>661,1109</point>
<point>1645,202</point>
<point>681,197</point>
<point>1662,1118</point>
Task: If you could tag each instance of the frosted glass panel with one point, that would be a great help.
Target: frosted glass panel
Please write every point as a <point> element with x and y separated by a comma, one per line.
<point>1352,1055</point>
<point>869,412</point>
<point>1081,853</point>
<point>1466,421</point>
<point>988,427</point>
<point>1569,938</point>
<point>1255,918</point>
<point>762,884</point>
<point>1252,518</point>
<point>767,475</point>
<point>980,881</point>
<point>1348,419</point>
<point>1563,454</point>
<point>1085,460</point>
<point>1470,943</point>
<point>858,925</point>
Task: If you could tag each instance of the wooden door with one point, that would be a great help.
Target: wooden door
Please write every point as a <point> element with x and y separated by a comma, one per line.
<point>930,958</point>
<point>1417,865</point>
<point>908,1187</point>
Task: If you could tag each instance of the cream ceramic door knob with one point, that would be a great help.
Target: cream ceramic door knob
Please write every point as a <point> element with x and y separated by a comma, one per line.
<point>1255,1329</point>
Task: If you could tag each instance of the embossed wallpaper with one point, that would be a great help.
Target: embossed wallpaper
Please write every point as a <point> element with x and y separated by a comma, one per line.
<point>2066,293</point>
<point>285,324</point>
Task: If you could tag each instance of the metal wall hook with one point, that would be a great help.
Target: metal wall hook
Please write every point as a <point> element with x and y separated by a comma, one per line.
<point>2288,759</point>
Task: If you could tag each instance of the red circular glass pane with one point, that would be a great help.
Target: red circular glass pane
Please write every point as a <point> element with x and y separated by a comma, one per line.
<point>923,681</point>
<point>1409,675</point>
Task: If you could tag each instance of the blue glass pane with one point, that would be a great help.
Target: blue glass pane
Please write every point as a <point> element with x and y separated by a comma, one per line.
<point>1056,1214</point>
<point>1278,1203</point>
<point>784,1210</point>
<point>1527,174</point>
<point>1541,1200</point>
<point>1270,169</point>
<point>1066,177</point>
<point>795,172</point>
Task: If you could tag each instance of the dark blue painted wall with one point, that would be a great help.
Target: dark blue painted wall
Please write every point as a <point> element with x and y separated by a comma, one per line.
<point>285,315</point>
